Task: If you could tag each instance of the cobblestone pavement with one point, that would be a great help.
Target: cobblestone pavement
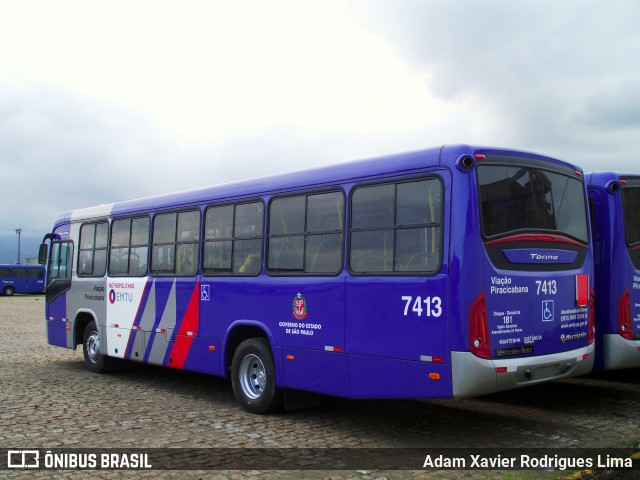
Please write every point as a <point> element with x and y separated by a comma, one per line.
<point>48,399</point>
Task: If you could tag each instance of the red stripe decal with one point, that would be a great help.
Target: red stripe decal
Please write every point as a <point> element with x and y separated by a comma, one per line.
<point>182,342</point>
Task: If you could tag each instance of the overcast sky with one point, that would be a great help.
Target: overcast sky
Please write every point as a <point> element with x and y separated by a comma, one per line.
<point>102,101</point>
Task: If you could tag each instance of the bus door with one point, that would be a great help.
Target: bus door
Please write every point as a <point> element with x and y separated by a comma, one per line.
<point>58,284</point>
<point>396,330</point>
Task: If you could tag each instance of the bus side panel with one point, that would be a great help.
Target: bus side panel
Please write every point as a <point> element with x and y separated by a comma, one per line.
<point>375,377</point>
<point>187,326</point>
<point>316,371</point>
<point>306,313</point>
<point>204,356</point>
<point>398,318</point>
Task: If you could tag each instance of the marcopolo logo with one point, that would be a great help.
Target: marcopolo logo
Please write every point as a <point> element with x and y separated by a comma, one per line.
<point>575,336</point>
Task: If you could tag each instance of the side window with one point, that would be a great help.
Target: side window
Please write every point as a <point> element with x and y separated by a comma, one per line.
<point>34,273</point>
<point>306,234</point>
<point>5,272</point>
<point>129,247</point>
<point>396,228</point>
<point>233,239</point>
<point>92,257</point>
<point>176,237</point>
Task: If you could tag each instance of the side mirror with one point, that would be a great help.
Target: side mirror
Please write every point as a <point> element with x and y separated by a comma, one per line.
<point>42,254</point>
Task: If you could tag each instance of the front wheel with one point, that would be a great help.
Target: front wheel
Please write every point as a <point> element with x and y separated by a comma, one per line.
<point>93,359</point>
<point>8,291</point>
<point>253,376</point>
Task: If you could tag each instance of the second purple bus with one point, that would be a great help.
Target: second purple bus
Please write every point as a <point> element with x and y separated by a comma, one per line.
<point>614,201</point>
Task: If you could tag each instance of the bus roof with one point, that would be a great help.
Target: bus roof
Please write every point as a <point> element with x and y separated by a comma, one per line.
<point>371,168</point>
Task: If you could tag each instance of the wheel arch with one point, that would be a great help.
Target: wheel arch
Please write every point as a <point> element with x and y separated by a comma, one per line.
<point>83,318</point>
<point>240,331</point>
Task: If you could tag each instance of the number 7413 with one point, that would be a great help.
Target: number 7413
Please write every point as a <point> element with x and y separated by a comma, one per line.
<point>427,306</point>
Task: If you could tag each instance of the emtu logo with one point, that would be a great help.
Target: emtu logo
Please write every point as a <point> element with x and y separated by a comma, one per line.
<point>112,296</point>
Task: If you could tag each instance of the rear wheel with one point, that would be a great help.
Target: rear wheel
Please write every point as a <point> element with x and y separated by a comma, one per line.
<point>93,359</point>
<point>8,291</point>
<point>253,376</point>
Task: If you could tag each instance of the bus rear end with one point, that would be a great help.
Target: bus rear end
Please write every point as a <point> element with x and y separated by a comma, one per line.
<point>529,314</point>
<point>614,200</point>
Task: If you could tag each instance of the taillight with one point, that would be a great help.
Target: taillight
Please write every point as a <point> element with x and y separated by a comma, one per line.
<point>624,316</point>
<point>478,328</point>
<point>591,326</point>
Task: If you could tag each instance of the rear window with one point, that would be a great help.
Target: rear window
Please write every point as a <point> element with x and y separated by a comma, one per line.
<point>631,209</point>
<point>517,198</point>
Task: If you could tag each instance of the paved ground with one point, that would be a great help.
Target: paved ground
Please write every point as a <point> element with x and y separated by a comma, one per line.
<point>49,400</point>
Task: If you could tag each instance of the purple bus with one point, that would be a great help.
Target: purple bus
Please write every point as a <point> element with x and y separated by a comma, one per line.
<point>21,278</point>
<point>614,201</point>
<point>447,272</point>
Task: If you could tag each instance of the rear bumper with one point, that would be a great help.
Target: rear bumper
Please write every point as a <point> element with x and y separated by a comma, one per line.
<point>619,352</point>
<point>474,376</point>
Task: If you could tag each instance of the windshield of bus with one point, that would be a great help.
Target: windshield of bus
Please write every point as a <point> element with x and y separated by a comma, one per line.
<point>516,198</point>
<point>631,209</point>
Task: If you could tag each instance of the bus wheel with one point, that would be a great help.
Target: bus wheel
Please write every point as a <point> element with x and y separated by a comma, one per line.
<point>253,376</point>
<point>93,359</point>
<point>8,291</point>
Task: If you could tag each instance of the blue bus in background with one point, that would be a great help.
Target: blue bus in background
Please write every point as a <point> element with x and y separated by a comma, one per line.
<point>447,272</point>
<point>20,278</point>
<point>614,201</point>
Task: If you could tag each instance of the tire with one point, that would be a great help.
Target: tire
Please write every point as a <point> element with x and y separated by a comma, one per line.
<point>9,291</point>
<point>93,359</point>
<point>253,376</point>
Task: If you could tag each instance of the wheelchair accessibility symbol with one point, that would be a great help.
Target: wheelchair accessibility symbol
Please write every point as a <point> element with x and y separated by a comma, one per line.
<point>547,310</point>
<point>205,293</point>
